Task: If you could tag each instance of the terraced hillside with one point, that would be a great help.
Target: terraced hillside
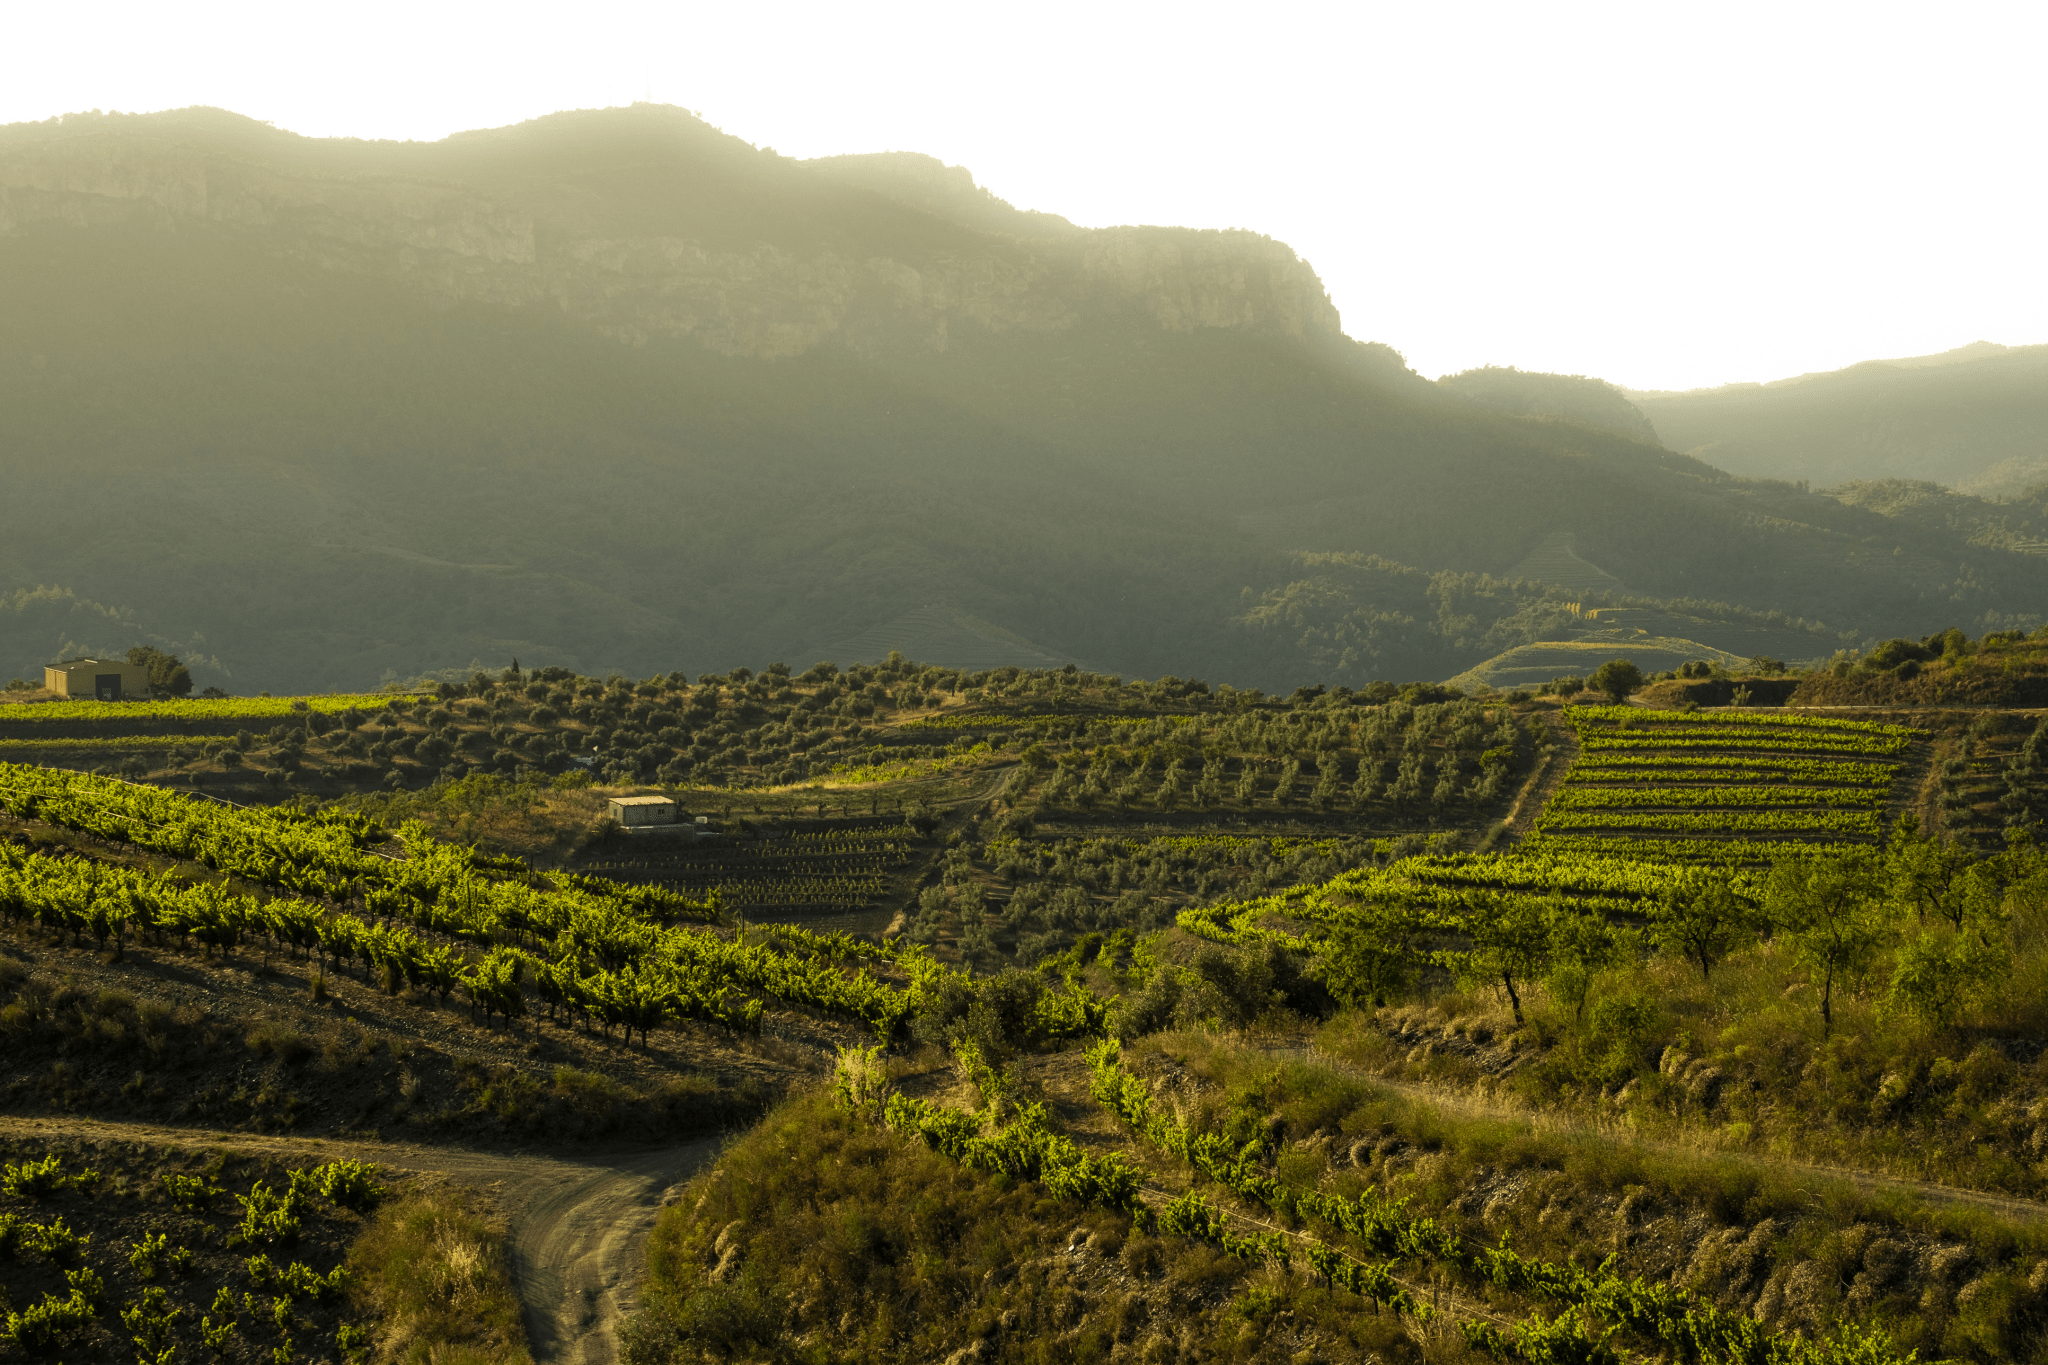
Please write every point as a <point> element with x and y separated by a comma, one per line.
<point>1172,1024</point>
<point>1652,796</point>
<point>835,869</point>
<point>1727,784</point>
<point>1532,665</point>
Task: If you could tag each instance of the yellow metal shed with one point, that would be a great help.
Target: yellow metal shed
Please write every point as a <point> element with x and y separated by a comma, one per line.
<point>106,679</point>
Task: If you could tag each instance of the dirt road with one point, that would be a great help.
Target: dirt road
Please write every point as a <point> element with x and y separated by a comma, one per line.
<point>576,1226</point>
<point>1520,821</point>
<point>1869,1182</point>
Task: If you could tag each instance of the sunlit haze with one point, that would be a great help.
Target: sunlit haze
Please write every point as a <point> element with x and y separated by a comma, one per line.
<point>1664,196</point>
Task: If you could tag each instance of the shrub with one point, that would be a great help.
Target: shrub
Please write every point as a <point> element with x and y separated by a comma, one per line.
<point>147,1255</point>
<point>53,1240</point>
<point>349,1184</point>
<point>298,1280</point>
<point>431,1268</point>
<point>39,1328</point>
<point>35,1179</point>
<point>191,1191</point>
<point>150,1321</point>
<point>266,1217</point>
<point>217,1337</point>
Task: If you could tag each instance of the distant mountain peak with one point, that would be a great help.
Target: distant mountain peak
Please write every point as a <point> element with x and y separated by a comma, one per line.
<point>1976,350</point>
<point>949,192</point>
<point>647,222</point>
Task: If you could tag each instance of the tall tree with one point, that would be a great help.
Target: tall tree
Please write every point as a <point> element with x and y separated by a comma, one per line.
<point>1702,916</point>
<point>1511,942</point>
<point>1617,678</point>
<point>168,677</point>
<point>1829,906</point>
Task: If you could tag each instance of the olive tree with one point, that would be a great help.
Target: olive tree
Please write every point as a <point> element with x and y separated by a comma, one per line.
<point>1617,678</point>
<point>1831,908</point>
<point>1701,915</point>
<point>1511,942</point>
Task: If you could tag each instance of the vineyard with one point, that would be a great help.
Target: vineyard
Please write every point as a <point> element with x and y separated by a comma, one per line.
<point>201,709</point>
<point>1745,776</point>
<point>1371,1237</point>
<point>434,916</point>
<point>1325,835</point>
<point>1366,1244</point>
<point>253,1272</point>
<point>833,871</point>
<point>1656,801</point>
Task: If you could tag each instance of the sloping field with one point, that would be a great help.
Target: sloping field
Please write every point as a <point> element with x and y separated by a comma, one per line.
<point>1653,795</point>
<point>1685,785</point>
<point>1530,665</point>
<point>1555,560</point>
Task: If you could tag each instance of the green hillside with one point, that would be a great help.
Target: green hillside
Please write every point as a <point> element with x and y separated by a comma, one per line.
<point>1531,665</point>
<point>1972,418</point>
<point>1574,397</point>
<point>1032,1015</point>
<point>517,394</point>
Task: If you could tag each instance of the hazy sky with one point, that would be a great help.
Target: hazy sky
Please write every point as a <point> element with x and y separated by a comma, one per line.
<point>1663,195</point>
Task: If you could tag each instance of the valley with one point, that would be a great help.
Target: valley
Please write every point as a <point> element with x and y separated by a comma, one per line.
<point>663,753</point>
<point>1149,1020</point>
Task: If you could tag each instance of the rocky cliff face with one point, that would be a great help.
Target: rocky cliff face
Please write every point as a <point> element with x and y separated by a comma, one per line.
<point>542,235</point>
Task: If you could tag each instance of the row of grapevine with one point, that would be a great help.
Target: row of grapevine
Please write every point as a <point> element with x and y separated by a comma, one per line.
<point>1867,823</point>
<point>1664,1313</point>
<point>565,928</point>
<point>1578,797</point>
<point>204,708</point>
<point>1697,767</point>
<point>1023,1146</point>
<point>1747,852</point>
<point>1728,779</point>
<point>1756,741</point>
<point>1636,716</point>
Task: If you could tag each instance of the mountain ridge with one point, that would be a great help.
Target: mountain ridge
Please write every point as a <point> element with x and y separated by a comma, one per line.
<point>1977,416</point>
<point>431,216</point>
<point>251,412</point>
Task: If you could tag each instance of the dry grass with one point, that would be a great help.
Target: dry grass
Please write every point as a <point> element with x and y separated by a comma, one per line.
<point>819,1238</point>
<point>431,1269</point>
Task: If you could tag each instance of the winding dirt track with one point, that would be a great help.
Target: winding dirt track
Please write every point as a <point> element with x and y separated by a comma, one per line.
<point>576,1225</point>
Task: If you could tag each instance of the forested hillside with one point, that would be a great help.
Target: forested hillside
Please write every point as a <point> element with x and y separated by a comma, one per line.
<point>1972,419</point>
<point>616,391</point>
<point>1571,396</point>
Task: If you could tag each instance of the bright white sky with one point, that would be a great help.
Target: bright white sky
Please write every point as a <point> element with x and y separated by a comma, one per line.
<point>1666,196</point>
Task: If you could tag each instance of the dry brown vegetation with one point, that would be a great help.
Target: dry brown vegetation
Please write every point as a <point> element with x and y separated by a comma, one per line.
<point>431,1272</point>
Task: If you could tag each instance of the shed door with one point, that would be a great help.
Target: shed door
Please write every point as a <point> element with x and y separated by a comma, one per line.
<point>108,685</point>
